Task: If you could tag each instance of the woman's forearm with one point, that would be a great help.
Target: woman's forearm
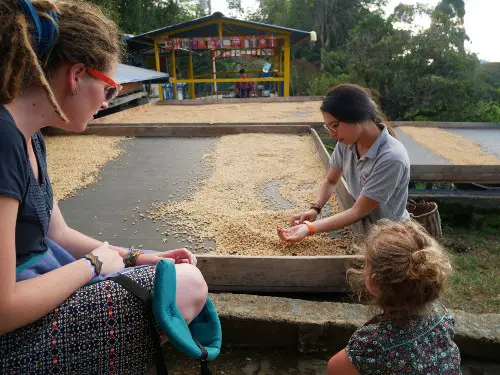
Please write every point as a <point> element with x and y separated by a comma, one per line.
<point>325,192</point>
<point>79,244</point>
<point>361,208</point>
<point>76,243</point>
<point>32,299</point>
<point>338,221</point>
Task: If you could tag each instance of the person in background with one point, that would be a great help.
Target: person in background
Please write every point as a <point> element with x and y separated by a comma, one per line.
<point>243,89</point>
<point>405,272</point>
<point>373,162</point>
<point>57,315</point>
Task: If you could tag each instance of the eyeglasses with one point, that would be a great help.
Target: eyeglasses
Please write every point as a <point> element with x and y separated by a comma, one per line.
<point>333,126</point>
<point>112,90</point>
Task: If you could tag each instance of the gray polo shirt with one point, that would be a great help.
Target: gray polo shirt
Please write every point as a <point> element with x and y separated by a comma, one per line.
<point>382,175</point>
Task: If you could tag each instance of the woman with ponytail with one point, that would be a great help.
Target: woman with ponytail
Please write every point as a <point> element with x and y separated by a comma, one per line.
<point>58,313</point>
<point>373,162</point>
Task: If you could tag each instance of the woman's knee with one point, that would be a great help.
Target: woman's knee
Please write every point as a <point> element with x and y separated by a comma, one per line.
<point>192,290</point>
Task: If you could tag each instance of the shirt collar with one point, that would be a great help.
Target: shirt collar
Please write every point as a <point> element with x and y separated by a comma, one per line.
<point>373,151</point>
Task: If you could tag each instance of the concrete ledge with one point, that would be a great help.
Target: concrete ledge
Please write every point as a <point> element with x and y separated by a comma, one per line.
<point>273,99</point>
<point>310,326</point>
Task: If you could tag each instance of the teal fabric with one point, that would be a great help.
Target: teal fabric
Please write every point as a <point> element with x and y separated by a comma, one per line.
<point>205,328</point>
<point>31,261</point>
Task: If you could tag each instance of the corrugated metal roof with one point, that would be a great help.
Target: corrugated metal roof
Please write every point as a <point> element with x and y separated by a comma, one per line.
<point>244,28</point>
<point>127,74</point>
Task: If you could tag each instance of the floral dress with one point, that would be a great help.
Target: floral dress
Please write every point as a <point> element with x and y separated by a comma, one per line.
<point>418,344</point>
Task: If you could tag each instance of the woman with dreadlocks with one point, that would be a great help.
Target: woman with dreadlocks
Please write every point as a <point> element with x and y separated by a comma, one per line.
<point>56,63</point>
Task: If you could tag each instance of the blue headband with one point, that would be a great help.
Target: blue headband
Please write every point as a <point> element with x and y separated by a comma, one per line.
<point>44,30</point>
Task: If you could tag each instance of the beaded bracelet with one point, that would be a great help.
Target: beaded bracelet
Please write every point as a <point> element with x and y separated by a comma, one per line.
<point>132,257</point>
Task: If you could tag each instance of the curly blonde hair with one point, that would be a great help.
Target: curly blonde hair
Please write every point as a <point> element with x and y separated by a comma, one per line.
<point>406,266</point>
<point>84,35</point>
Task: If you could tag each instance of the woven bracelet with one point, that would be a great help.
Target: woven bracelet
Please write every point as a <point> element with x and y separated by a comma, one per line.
<point>132,257</point>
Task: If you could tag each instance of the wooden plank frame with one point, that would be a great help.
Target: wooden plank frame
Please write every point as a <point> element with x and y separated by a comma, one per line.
<point>278,274</point>
<point>273,274</point>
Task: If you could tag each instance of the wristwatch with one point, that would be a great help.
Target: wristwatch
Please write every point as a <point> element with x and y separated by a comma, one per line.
<point>316,207</point>
<point>95,263</point>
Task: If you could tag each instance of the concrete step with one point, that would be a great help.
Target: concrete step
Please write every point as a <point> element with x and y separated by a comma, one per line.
<point>283,362</point>
<point>310,326</point>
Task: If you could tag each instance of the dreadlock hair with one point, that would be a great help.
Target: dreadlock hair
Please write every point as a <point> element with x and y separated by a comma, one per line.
<point>84,35</point>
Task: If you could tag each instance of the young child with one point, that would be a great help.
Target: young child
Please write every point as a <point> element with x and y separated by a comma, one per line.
<point>404,273</point>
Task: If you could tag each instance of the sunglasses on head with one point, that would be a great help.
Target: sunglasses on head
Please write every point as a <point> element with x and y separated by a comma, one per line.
<point>112,90</point>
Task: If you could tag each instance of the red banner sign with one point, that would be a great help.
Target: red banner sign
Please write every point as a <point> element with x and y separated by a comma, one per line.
<point>234,42</point>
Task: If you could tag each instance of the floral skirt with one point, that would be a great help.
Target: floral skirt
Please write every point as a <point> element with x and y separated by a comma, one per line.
<point>101,329</point>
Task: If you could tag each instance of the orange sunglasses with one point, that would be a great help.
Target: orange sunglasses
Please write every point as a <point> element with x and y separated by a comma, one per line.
<point>111,91</point>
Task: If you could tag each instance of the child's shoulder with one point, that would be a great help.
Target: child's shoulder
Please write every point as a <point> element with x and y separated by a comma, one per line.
<point>382,340</point>
<point>385,330</point>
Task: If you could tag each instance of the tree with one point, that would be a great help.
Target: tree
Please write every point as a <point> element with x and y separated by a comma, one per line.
<point>138,16</point>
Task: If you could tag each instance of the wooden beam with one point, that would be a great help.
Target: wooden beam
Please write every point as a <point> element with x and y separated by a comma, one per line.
<point>233,273</point>
<point>455,173</point>
<point>219,80</point>
<point>186,130</point>
<point>290,99</point>
<point>447,125</point>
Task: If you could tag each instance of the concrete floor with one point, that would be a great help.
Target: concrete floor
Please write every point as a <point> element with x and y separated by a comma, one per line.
<point>151,170</point>
<point>489,139</point>
<point>419,155</point>
<point>281,362</point>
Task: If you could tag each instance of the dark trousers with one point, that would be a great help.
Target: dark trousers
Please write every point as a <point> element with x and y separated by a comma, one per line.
<point>244,92</point>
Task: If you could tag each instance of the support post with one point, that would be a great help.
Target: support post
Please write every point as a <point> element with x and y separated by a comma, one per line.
<point>173,73</point>
<point>214,73</point>
<point>219,27</point>
<point>275,68</point>
<point>280,63</point>
<point>286,90</point>
<point>190,75</point>
<point>158,67</point>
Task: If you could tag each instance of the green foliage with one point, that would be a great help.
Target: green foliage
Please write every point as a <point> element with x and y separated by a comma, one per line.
<point>491,72</point>
<point>320,84</point>
<point>418,73</point>
<point>138,16</point>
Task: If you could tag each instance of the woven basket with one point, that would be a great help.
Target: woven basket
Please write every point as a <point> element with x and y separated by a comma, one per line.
<point>427,214</point>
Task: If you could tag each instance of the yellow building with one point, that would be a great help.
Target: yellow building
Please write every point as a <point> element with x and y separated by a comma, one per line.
<point>223,37</point>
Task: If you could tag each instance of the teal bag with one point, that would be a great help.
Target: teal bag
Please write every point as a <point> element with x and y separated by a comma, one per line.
<point>202,339</point>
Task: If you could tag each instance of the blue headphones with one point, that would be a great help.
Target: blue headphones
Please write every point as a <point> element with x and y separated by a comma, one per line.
<point>44,30</point>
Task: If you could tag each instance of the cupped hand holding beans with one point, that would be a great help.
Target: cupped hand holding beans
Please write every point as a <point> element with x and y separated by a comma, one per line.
<point>293,234</point>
